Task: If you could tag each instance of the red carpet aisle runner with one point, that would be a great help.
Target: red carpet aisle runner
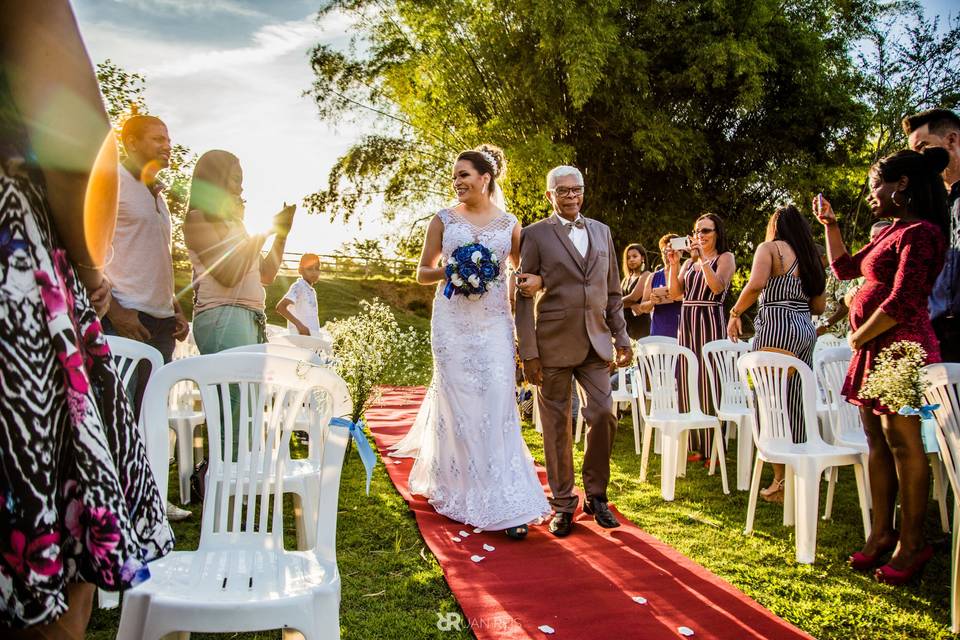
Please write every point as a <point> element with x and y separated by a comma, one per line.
<point>582,586</point>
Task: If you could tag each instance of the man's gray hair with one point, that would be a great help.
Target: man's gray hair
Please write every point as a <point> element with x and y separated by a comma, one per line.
<point>560,172</point>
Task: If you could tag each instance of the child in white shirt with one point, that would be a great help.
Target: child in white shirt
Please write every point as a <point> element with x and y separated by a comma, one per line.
<point>299,305</point>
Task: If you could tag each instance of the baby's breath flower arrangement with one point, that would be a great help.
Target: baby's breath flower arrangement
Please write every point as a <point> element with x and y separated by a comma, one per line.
<point>895,378</point>
<point>370,349</point>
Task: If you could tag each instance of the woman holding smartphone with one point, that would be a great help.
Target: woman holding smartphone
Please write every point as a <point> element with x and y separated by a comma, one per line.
<point>702,281</point>
<point>664,309</point>
<point>899,266</point>
<point>229,271</point>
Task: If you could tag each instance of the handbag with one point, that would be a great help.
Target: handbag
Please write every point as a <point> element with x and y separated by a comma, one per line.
<point>198,481</point>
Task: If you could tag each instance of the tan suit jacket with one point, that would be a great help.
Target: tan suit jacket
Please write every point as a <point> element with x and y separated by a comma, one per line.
<point>580,305</point>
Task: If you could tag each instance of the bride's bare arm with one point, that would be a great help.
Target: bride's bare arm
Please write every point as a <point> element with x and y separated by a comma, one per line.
<point>429,271</point>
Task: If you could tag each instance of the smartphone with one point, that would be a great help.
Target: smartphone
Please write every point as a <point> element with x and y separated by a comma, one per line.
<point>819,203</point>
<point>680,244</point>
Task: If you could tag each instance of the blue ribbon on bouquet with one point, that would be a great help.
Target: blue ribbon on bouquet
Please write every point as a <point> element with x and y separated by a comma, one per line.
<point>364,450</point>
<point>925,412</point>
<point>448,290</point>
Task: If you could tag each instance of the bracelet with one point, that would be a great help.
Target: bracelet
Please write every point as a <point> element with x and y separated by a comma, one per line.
<point>734,313</point>
<point>90,267</point>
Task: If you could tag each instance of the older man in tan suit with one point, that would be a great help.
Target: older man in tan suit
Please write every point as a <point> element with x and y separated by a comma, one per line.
<point>568,332</point>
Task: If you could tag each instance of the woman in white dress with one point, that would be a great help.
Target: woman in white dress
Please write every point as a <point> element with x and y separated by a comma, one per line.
<point>472,463</point>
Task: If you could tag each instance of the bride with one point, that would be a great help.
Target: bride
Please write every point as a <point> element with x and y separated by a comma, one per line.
<point>472,463</point>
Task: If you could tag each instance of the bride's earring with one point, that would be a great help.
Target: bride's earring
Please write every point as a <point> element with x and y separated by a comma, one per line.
<point>484,190</point>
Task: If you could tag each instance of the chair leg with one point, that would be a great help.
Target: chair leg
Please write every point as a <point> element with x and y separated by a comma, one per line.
<point>712,469</point>
<point>807,488</point>
<point>954,560</point>
<point>635,414</point>
<point>668,470</point>
<point>862,488</point>
<point>744,453</point>
<point>939,491</point>
<point>184,460</point>
<point>789,497</point>
<point>754,491</point>
<point>658,443</point>
<point>721,456</point>
<point>681,454</point>
<point>108,599</point>
<point>831,486</point>
<point>645,454</point>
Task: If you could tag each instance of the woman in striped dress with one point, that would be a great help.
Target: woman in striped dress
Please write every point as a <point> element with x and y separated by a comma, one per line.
<point>790,283</point>
<point>703,281</point>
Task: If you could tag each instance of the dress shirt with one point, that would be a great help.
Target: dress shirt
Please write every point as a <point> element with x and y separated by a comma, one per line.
<point>578,235</point>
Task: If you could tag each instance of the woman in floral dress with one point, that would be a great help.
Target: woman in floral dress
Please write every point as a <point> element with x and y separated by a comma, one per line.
<point>78,503</point>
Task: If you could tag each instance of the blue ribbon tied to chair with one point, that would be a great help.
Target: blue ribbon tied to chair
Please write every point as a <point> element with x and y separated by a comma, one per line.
<point>364,450</point>
<point>925,412</point>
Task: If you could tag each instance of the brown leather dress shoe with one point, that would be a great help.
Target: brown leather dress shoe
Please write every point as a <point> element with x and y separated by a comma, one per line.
<point>561,525</point>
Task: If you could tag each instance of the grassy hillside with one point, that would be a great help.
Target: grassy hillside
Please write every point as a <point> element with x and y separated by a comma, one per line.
<point>339,297</point>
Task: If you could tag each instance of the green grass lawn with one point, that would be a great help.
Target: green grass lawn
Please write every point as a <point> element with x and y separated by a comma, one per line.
<point>393,586</point>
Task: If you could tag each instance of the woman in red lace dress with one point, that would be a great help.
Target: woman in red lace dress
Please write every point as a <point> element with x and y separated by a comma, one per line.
<point>900,266</point>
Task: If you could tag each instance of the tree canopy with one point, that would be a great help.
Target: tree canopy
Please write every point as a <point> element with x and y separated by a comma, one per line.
<point>669,107</point>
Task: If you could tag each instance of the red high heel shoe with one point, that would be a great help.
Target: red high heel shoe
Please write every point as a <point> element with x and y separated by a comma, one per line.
<point>896,577</point>
<point>860,561</point>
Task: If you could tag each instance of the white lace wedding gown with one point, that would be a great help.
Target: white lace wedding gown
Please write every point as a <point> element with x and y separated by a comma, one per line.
<point>472,463</point>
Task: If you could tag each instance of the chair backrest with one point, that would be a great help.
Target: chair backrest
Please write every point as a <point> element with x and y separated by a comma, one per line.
<point>244,490</point>
<point>657,340</point>
<point>661,362</point>
<point>316,344</point>
<point>831,366</point>
<point>282,350</point>
<point>828,341</point>
<point>721,364</point>
<point>943,380</point>
<point>275,330</point>
<point>768,376</point>
<point>127,354</point>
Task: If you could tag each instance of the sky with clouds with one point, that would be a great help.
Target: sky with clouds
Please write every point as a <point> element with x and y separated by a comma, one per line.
<point>229,74</point>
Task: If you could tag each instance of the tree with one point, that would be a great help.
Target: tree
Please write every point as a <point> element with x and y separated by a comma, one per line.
<point>669,108</point>
<point>123,96</point>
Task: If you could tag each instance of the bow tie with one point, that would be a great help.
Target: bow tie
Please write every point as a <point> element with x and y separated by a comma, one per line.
<point>578,223</point>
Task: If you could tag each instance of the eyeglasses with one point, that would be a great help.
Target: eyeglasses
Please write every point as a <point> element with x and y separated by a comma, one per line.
<point>703,232</point>
<point>563,192</point>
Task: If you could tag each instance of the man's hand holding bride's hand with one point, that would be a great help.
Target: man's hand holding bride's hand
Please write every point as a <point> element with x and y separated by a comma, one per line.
<point>528,284</point>
<point>624,356</point>
<point>532,371</point>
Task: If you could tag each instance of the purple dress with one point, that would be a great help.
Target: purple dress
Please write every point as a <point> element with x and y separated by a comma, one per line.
<point>665,318</point>
<point>900,266</point>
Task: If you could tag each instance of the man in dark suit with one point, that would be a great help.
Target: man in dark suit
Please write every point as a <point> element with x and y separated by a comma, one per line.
<point>568,332</point>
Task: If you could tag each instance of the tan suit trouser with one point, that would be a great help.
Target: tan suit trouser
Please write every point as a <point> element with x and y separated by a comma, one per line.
<point>593,375</point>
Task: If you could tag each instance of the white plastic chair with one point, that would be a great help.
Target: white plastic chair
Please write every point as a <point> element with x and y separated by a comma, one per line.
<point>127,355</point>
<point>660,361</point>
<point>241,578</point>
<point>944,389</point>
<point>629,393</point>
<point>805,462</point>
<point>828,341</point>
<point>844,425</point>
<point>731,405</point>
<point>644,387</point>
<point>318,344</point>
<point>303,473</point>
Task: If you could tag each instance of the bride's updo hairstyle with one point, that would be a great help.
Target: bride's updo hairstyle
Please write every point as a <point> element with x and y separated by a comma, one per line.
<point>487,159</point>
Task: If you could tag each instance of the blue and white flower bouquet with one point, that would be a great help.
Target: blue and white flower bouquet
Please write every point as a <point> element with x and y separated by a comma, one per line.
<point>470,271</point>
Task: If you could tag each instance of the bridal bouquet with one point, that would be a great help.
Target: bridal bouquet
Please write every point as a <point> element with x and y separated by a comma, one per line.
<point>470,270</point>
<point>895,379</point>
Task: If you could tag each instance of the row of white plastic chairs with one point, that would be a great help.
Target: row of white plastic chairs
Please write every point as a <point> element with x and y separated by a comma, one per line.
<point>654,401</point>
<point>241,578</point>
<point>765,396</point>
